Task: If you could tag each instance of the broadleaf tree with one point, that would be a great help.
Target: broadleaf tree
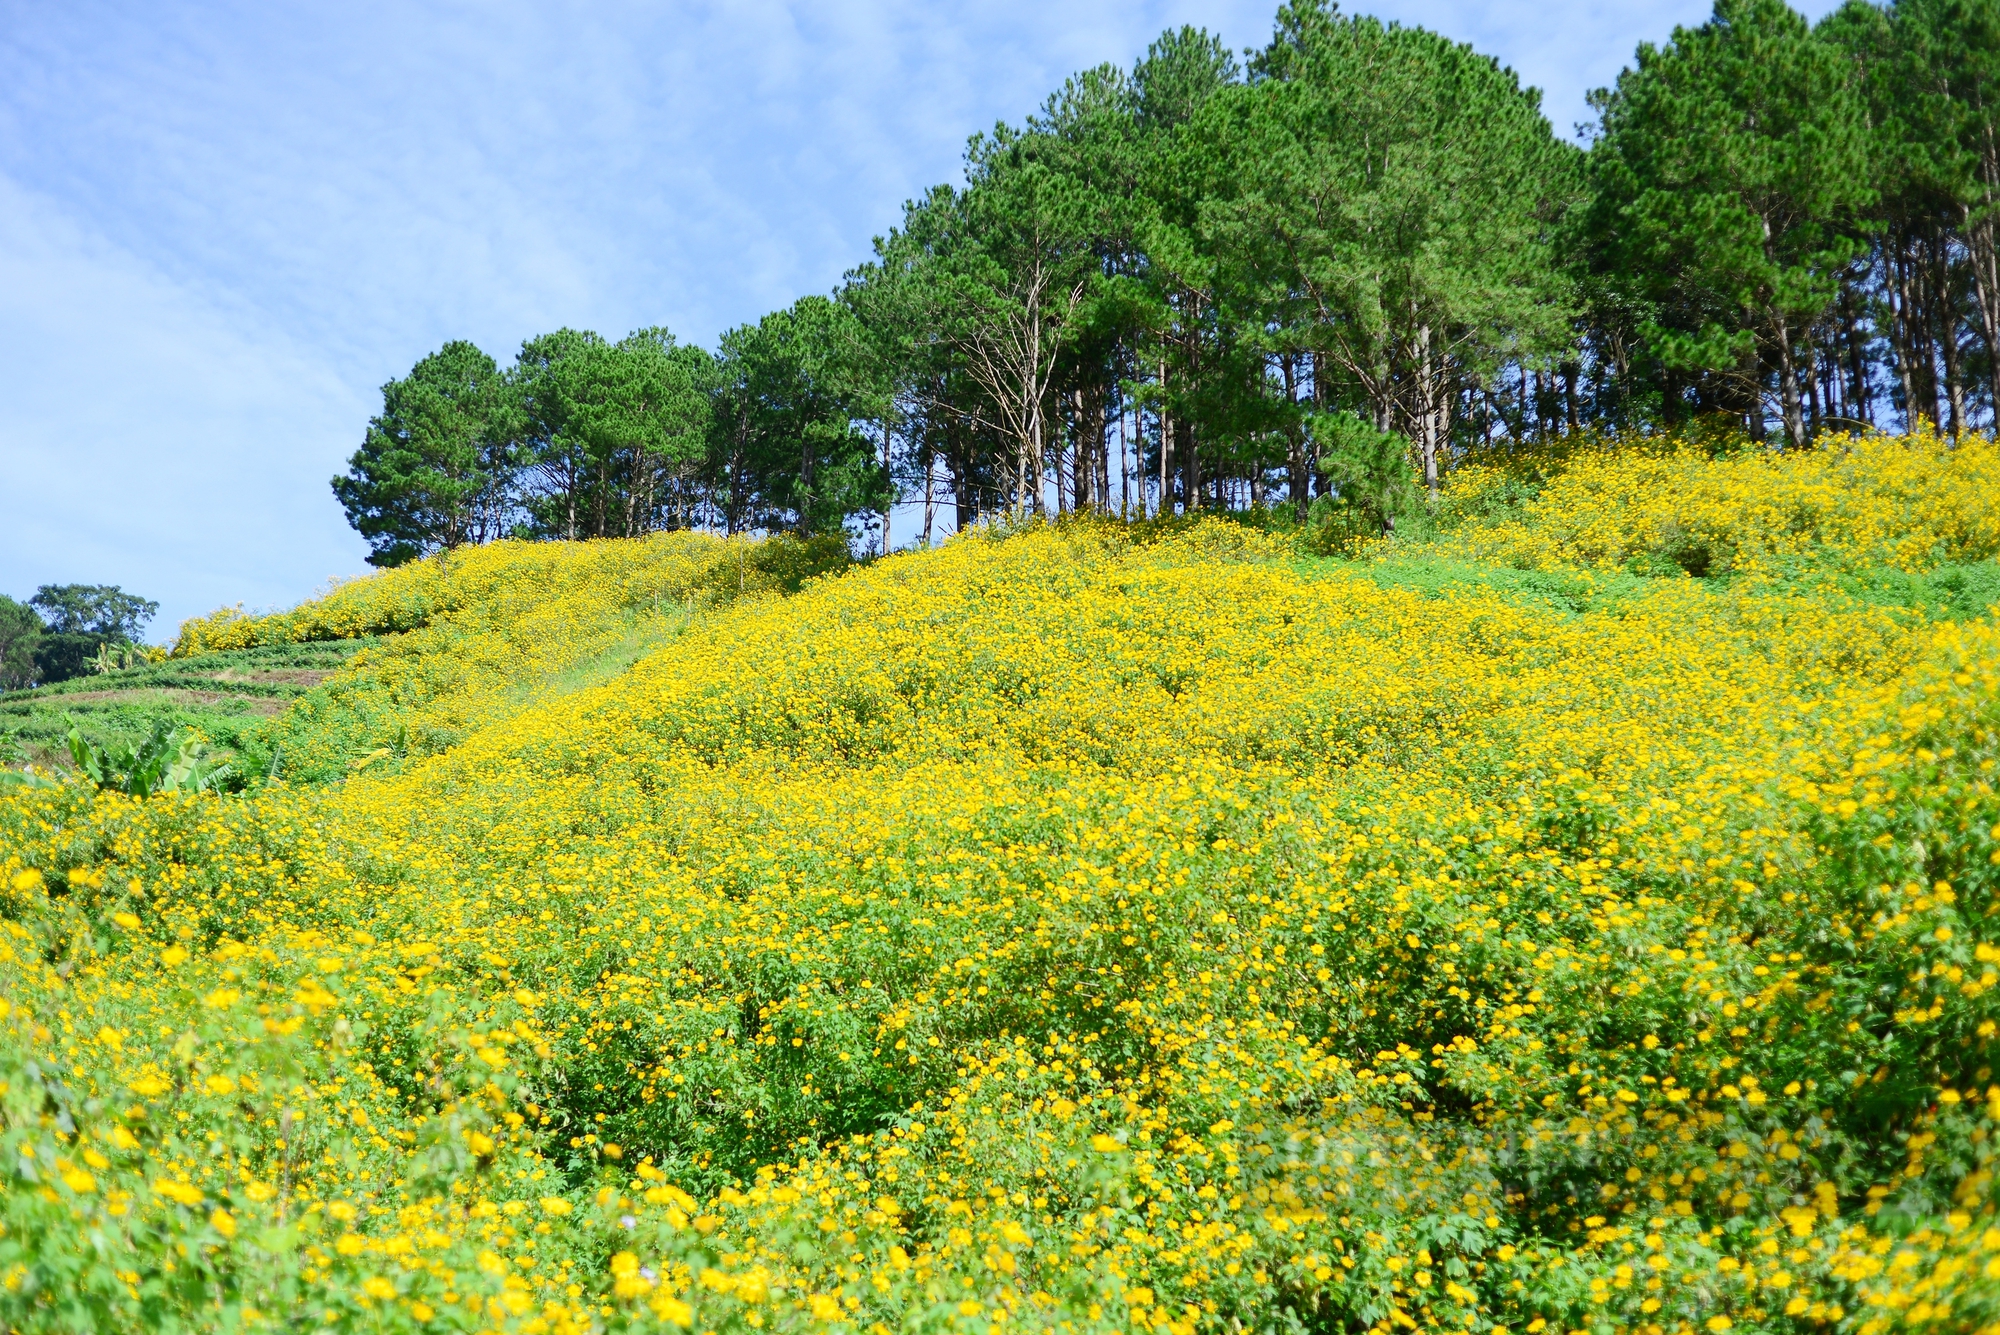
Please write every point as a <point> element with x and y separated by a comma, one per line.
<point>80,620</point>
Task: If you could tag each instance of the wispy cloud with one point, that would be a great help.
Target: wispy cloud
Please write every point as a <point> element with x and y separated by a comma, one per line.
<point>157,436</point>
<point>224,224</point>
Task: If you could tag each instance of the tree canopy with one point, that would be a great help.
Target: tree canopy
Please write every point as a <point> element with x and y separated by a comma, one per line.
<point>58,632</point>
<point>430,472</point>
<point>20,638</point>
<point>93,609</point>
<point>1197,282</point>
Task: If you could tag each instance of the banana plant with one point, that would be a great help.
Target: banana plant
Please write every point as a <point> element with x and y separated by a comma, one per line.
<point>169,759</point>
<point>116,657</point>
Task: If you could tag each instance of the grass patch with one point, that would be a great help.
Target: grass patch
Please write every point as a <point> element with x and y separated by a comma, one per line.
<point>1438,576</point>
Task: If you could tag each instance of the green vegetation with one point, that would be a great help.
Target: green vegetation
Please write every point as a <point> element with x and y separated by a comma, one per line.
<point>68,630</point>
<point>166,760</point>
<point>20,637</point>
<point>1946,593</point>
<point>226,698</point>
<point>1503,842</point>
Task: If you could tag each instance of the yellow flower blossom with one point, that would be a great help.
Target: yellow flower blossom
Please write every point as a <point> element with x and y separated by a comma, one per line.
<point>1072,930</point>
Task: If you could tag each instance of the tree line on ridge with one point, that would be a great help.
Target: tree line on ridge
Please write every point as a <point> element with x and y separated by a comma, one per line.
<point>1353,258</point>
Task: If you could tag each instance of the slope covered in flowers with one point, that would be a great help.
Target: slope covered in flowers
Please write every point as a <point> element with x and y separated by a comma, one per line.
<point>470,639</point>
<point>1855,503</point>
<point>1058,933</point>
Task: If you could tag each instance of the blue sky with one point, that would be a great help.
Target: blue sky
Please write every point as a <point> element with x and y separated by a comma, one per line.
<point>224,225</point>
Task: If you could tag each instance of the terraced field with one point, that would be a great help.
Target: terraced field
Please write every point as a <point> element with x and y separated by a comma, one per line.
<point>222,695</point>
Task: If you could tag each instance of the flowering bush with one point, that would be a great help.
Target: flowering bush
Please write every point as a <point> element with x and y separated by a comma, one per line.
<point>1058,934</point>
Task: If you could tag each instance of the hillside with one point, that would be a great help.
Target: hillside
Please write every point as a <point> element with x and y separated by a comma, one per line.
<point>1078,929</point>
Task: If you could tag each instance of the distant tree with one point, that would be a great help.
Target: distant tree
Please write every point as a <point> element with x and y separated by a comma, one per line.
<point>1370,470</point>
<point>1010,290</point>
<point>434,470</point>
<point>554,459</point>
<point>1398,192</point>
<point>103,610</point>
<point>1930,81</point>
<point>20,636</point>
<point>643,416</point>
<point>81,619</point>
<point>1191,322</point>
<point>936,401</point>
<point>1955,46</point>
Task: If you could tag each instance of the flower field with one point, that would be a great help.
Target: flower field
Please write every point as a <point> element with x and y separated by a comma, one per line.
<point>1058,932</point>
<point>1853,504</point>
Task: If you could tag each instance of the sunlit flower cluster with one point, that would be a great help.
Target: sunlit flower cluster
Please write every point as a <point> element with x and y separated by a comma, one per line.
<point>472,636</point>
<point>1908,503</point>
<point>1046,933</point>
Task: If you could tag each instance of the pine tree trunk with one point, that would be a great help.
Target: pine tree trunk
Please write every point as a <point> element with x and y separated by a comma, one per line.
<point>964,503</point>
<point>1815,413</point>
<point>1752,376</point>
<point>1982,242</point>
<point>1788,385</point>
<point>1081,466</point>
<point>1065,461</point>
<point>1923,360</point>
<point>1954,383</point>
<point>1860,402</point>
<point>1100,430</point>
<point>571,498</point>
<point>1430,410</point>
<point>1190,468</point>
<point>1899,325</point>
<point>1314,486</point>
<point>892,494</point>
<point>1984,256</point>
<point>1191,453</point>
<point>1124,469</point>
<point>632,491</point>
<point>930,489</point>
<point>1295,444</point>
